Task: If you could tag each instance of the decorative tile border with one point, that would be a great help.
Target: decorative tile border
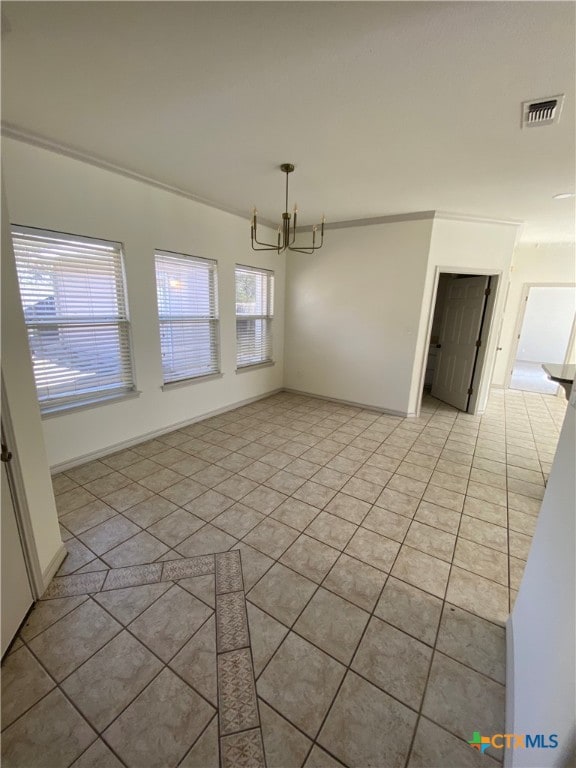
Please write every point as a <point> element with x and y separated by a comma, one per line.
<point>237,704</point>
<point>231,622</point>
<point>241,743</point>
<point>131,576</point>
<point>77,584</point>
<point>183,569</point>
<point>229,572</point>
<point>240,733</point>
<point>243,750</point>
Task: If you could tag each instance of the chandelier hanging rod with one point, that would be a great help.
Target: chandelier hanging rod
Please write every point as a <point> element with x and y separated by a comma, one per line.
<point>286,239</point>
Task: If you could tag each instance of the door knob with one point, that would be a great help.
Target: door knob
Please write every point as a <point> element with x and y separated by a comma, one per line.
<point>6,455</point>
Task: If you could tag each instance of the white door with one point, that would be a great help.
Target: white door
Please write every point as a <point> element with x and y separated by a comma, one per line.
<point>459,332</point>
<point>16,593</point>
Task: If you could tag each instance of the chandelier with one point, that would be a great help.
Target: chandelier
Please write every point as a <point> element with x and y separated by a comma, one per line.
<point>286,234</point>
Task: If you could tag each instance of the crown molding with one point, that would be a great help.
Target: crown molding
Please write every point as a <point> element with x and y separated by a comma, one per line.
<point>375,220</point>
<point>472,219</point>
<point>11,131</point>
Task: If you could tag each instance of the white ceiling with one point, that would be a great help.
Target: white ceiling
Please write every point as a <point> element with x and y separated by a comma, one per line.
<point>384,107</point>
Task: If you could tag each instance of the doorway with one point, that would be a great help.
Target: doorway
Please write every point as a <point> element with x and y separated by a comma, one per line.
<point>545,333</point>
<point>460,326</point>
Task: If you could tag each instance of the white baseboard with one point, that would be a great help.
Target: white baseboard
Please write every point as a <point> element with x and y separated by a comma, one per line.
<point>64,465</point>
<point>510,712</point>
<point>366,406</point>
<point>55,563</point>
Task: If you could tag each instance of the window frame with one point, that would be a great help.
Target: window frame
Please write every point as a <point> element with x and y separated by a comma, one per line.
<point>61,404</point>
<point>267,317</point>
<point>213,321</point>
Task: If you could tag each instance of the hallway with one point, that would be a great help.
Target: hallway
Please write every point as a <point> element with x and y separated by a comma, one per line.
<point>295,582</point>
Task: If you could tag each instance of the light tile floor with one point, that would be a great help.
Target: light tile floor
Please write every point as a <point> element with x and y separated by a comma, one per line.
<point>531,377</point>
<point>380,557</point>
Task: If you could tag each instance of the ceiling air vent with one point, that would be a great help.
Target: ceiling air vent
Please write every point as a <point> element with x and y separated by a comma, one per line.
<point>541,112</point>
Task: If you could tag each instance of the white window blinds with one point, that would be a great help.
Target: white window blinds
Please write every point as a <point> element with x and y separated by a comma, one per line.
<point>72,291</point>
<point>254,314</point>
<point>187,289</point>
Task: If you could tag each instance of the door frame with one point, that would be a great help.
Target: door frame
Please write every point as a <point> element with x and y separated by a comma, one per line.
<point>520,322</point>
<point>481,372</point>
<point>21,511</point>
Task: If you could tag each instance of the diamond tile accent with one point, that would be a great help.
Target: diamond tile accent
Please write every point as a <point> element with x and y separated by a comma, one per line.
<point>236,692</point>
<point>228,572</point>
<point>243,750</point>
<point>231,622</point>
<point>82,584</point>
<point>194,566</point>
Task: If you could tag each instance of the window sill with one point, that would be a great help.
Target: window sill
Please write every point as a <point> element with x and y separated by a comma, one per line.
<point>255,367</point>
<point>84,405</point>
<point>195,380</point>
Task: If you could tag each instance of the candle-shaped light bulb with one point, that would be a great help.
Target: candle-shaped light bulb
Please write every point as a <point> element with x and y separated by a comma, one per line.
<point>254,212</point>
<point>323,219</point>
<point>295,207</point>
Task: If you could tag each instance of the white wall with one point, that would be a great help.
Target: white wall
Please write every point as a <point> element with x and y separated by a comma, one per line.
<point>547,325</point>
<point>49,190</point>
<point>531,263</point>
<point>541,657</point>
<point>464,246</point>
<point>24,413</point>
<point>352,312</point>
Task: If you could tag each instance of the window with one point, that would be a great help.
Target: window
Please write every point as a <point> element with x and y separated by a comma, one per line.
<point>254,313</point>
<point>72,291</point>
<point>187,290</point>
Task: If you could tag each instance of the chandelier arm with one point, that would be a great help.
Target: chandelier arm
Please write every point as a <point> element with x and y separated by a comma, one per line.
<point>310,248</point>
<point>267,246</point>
<point>291,242</point>
<point>300,250</point>
<point>258,242</point>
